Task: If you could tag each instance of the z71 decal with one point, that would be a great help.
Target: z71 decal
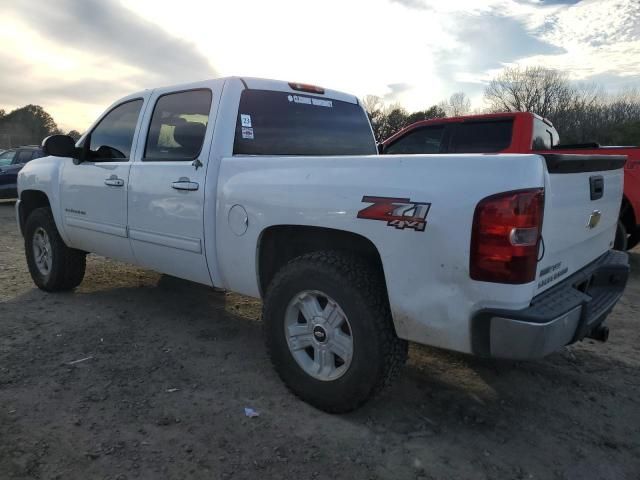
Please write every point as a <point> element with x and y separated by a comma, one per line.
<point>397,212</point>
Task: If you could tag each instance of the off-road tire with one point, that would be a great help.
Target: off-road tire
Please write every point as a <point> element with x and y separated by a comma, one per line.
<point>378,354</point>
<point>67,264</point>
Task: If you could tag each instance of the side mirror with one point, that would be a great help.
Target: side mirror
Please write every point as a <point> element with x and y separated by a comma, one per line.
<point>60,146</point>
<point>380,148</point>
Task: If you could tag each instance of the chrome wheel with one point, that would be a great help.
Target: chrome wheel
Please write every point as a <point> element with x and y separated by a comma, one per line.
<point>42,251</point>
<point>318,335</point>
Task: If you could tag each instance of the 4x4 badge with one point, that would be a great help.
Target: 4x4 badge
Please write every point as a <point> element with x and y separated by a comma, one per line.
<point>400,213</point>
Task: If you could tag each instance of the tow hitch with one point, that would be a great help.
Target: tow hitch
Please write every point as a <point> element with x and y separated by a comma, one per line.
<point>600,333</point>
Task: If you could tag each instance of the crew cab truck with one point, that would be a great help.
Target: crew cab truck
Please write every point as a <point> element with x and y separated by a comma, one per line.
<point>275,190</point>
<point>519,132</point>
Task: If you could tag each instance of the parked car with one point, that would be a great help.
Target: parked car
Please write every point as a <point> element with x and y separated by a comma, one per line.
<point>275,190</point>
<point>519,132</point>
<point>11,162</point>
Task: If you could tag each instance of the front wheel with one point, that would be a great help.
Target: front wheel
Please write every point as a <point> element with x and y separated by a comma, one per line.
<point>329,331</point>
<point>53,265</point>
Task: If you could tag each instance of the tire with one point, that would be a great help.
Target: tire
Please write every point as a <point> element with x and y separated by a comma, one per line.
<point>620,242</point>
<point>633,239</point>
<point>56,267</point>
<point>358,291</point>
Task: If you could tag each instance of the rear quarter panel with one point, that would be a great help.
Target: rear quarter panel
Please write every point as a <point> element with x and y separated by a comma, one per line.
<point>427,273</point>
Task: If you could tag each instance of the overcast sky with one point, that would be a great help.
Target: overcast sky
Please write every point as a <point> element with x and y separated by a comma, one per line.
<point>75,57</point>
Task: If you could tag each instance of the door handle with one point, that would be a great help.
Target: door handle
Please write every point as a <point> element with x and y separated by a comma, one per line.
<point>185,184</point>
<point>114,181</point>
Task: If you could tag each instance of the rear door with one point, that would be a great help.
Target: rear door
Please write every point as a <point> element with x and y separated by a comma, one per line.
<point>167,184</point>
<point>582,201</point>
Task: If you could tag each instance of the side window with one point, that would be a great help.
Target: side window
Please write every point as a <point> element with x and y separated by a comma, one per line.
<point>420,140</point>
<point>23,156</point>
<point>542,138</point>
<point>36,154</point>
<point>111,139</point>
<point>7,157</point>
<point>481,136</point>
<point>178,125</point>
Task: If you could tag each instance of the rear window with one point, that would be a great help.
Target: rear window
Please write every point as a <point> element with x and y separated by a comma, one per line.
<point>481,137</point>
<point>280,123</point>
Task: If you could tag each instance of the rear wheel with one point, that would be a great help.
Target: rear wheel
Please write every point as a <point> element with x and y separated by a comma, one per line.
<point>329,331</point>
<point>620,242</point>
<point>53,265</point>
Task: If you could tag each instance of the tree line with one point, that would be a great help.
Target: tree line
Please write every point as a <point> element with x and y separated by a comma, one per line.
<point>28,125</point>
<point>580,113</point>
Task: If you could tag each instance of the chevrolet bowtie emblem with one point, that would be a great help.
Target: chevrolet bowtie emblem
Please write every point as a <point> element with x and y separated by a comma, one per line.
<point>594,219</point>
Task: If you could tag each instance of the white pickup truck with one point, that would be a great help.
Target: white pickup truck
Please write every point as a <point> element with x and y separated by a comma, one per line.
<point>275,190</point>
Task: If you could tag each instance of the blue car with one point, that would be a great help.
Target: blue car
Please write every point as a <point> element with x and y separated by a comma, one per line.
<point>11,162</point>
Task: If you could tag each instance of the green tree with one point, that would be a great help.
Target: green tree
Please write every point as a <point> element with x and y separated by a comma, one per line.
<point>74,134</point>
<point>29,124</point>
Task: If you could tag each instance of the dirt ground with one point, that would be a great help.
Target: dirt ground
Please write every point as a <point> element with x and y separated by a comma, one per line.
<point>164,369</point>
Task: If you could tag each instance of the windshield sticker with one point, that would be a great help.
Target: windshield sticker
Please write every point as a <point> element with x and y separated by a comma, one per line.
<point>318,102</point>
<point>247,133</point>
<point>400,213</point>
<point>322,103</point>
<point>245,120</point>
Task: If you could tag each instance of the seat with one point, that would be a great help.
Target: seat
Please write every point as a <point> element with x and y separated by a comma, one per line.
<point>189,135</point>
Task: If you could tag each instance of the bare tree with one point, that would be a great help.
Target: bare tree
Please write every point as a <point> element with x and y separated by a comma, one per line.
<point>530,89</point>
<point>458,104</point>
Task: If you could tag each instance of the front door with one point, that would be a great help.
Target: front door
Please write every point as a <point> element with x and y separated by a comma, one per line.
<point>166,198</point>
<point>94,192</point>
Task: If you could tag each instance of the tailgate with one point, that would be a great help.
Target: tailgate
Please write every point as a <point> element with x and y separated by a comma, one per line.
<point>583,194</point>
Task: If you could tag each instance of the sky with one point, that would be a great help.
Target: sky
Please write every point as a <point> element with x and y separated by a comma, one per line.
<point>75,57</point>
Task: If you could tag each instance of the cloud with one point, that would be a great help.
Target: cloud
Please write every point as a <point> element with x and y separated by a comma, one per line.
<point>415,4</point>
<point>107,29</point>
<point>75,57</point>
<point>492,39</point>
<point>395,91</point>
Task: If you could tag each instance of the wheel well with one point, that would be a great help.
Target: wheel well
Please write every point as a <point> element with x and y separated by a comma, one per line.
<point>280,244</point>
<point>627,216</point>
<point>29,201</point>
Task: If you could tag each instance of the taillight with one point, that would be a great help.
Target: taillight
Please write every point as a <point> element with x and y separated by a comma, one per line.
<point>505,237</point>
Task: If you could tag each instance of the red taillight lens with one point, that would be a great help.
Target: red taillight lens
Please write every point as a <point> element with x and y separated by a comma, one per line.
<point>505,237</point>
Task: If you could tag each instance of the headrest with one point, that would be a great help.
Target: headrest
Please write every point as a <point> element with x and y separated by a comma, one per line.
<point>190,135</point>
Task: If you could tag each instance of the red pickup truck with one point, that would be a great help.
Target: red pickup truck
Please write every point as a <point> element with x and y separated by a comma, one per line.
<point>518,132</point>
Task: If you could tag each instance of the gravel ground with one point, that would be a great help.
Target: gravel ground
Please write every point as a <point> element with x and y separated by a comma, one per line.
<point>164,369</point>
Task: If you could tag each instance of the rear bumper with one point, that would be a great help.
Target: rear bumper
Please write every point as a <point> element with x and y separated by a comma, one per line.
<point>562,315</point>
